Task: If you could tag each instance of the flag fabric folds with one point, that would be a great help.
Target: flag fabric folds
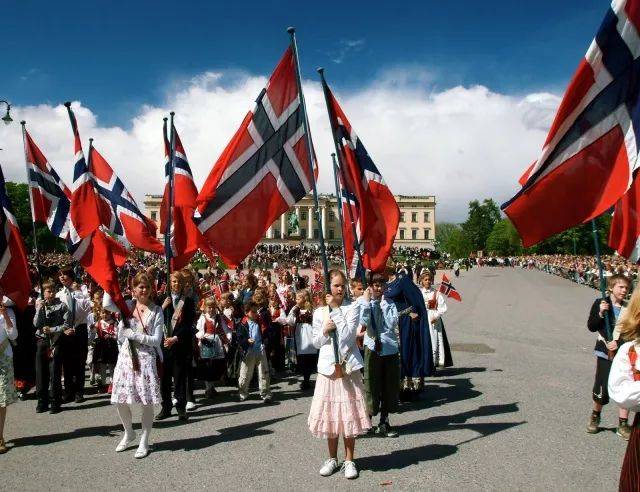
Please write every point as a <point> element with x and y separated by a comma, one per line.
<point>50,197</point>
<point>624,234</point>
<point>14,269</point>
<point>378,212</point>
<point>447,289</point>
<point>262,172</point>
<point>184,238</point>
<point>589,156</point>
<point>119,212</point>
<point>85,217</point>
<point>350,229</point>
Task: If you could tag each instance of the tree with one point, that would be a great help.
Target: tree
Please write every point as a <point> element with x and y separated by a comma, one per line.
<point>479,224</point>
<point>18,193</point>
<point>504,240</point>
<point>451,239</point>
<point>444,231</point>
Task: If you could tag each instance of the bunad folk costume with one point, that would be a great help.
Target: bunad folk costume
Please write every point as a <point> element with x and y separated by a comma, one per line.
<point>436,307</point>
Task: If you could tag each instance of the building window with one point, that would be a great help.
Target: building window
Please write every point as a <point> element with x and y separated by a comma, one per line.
<point>414,233</point>
<point>414,216</point>
<point>331,234</point>
<point>332,216</point>
<point>401,233</point>
<point>303,215</point>
<point>401,216</point>
<point>426,234</point>
<point>316,234</point>
<point>154,215</point>
<point>426,216</point>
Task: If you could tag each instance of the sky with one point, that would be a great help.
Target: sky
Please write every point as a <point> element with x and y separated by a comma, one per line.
<point>451,99</point>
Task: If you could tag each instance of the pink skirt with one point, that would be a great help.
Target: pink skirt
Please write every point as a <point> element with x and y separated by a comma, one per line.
<point>338,407</point>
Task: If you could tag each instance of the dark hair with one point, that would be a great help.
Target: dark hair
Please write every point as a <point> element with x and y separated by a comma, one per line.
<point>377,278</point>
<point>251,306</point>
<point>68,271</point>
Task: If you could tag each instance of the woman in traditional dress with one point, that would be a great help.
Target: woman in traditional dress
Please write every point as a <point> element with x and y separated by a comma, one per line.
<point>338,406</point>
<point>436,307</point>
<point>135,378</point>
<point>8,394</point>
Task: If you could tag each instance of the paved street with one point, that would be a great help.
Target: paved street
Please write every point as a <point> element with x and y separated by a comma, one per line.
<point>510,415</point>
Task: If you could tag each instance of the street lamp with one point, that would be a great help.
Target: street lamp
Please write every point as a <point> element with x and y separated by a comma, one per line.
<point>7,117</point>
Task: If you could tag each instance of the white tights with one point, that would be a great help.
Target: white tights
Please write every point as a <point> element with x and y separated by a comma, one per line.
<point>124,411</point>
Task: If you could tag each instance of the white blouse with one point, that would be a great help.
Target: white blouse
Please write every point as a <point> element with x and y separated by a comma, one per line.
<point>622,388</point>
<point>303,334</point>
<point>8,333</point>
<point>151,341</point>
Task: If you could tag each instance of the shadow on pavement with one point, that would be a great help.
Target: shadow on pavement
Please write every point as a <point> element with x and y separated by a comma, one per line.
<point>458,371</point>
<point>235,433</point>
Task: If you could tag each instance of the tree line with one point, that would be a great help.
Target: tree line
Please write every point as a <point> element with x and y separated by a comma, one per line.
<point>487,230</point>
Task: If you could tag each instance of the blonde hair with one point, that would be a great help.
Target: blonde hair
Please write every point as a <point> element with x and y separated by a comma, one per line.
<point>307,298</point>
<point>630,321</point>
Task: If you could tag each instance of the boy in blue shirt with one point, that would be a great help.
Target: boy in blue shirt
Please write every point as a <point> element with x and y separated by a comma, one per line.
<point>250,340</point>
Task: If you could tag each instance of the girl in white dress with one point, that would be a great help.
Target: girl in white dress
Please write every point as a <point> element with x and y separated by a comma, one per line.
<point>436,307</point>
<point>135,377</point>
<point>8,394</point>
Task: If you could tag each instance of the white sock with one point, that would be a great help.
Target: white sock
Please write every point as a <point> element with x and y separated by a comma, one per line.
<point>124,411</point>
<point>147,424</point>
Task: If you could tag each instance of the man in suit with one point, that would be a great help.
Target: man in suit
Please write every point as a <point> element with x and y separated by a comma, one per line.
<point>298,281</point>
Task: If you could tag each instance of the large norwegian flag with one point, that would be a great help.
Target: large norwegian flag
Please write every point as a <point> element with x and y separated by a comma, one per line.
<point>85,217</point>
<point>262,172</point>
<point>624,234</point>
<point>184,237</point>
<point>14,269</point>
<point>118,210</point>
<point>588,159</point>
<point>379,214</point>
<point>50,197</point>
<point>350,228</point>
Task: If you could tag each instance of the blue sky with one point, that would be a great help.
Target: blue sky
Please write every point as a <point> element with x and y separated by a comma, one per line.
<point>117,56</point>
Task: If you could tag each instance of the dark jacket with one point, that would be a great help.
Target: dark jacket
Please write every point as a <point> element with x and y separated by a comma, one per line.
<point>596,324</point>
<point>185,327</point>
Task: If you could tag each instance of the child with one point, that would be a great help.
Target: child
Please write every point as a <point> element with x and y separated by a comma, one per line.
<point>356,287</point>
<point>300,319</point>
<point>50,321</point>
<point>611,307</point>
<point>105,354</point>
<point>211,338</point>
<point>250,340</point>
<point>381,358</point>
<point>436,307</point>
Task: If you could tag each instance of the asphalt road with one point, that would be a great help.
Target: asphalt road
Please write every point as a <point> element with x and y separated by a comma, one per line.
<point>510,415</point>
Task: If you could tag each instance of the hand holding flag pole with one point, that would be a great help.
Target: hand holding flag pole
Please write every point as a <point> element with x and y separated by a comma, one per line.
<point>316,205</point>
<point>596,243</point>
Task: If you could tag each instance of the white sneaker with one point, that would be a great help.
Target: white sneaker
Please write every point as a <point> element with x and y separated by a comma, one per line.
<point>350,470</point>
<point>190,406</point>
<point>329,467</point>
<point>141,452</point>
<point>125,442</point>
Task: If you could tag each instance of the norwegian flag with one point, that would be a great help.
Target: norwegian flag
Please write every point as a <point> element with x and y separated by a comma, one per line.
<point>447,289</point>
<point>591,152</point>
<point>49,196</point>
<point>85,217</point>
<point>100,256</point>
<point>262,172</point>
<point>14,269</point>
<point>184,237</point>
<point>118,210</point>
<point>350,225</point>
<point>624,234</point>
<point>378,211</point>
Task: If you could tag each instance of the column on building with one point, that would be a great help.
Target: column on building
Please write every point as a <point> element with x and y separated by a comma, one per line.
<point>298,216</point>
<point>283,226</point>
<point>270,232</point>
<point>310,223</point>
<point>323,211</point>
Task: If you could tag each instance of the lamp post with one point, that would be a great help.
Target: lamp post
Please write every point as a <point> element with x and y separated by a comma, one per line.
<point>7,117</point>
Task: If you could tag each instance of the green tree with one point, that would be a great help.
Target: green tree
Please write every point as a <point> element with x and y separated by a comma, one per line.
<point>18,193</point>
<point>451,239</point>
<point>479,224</point>
<point>444,231</point>
<point>504,239</point>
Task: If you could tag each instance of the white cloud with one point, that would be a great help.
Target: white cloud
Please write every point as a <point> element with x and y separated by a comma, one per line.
<point>458,144</point>
<point>346,47</point>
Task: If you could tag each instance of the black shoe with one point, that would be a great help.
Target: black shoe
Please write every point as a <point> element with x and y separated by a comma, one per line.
<point>182,415</point>
<point>67,399</point>
<point>385,430</point>
<point>42,407</point>
<point>55,409</point>
<point>305,385</point>
<point>79,399</point>
<point>164,414</point>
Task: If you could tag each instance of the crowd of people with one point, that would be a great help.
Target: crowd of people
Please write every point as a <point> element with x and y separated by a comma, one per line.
<point>372,343</point>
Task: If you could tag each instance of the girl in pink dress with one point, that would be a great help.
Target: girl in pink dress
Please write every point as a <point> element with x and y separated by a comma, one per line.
<point>338,406</point>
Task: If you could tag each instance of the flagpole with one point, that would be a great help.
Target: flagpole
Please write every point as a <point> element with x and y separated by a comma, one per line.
<point>36,250</point>
<point>167,236</point>
<point>307,132</point>
<point>336,143</point>
<point>596,242</point>
<point>340,217</point>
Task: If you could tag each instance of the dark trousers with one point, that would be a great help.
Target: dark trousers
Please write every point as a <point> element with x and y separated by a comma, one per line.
<point>48,374</point>
<point>381,382</point>
<point>307,365</point>
<point>75,348</point>
<point>174,370</point>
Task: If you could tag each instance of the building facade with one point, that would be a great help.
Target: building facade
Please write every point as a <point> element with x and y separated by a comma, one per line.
<point>417,226</point>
